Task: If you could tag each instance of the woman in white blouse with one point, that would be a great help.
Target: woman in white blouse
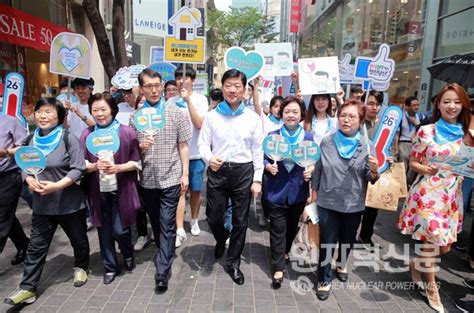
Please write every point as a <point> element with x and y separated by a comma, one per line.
<point>318,117</point>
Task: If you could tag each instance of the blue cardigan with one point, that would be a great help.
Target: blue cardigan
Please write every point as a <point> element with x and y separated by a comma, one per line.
<point>286,188</point>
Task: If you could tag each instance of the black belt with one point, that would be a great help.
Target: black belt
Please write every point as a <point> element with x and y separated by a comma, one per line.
<point>234,164</point>
<point>409,141</point>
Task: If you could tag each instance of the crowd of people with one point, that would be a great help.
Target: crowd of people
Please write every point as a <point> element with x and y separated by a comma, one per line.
<point>151,173</point>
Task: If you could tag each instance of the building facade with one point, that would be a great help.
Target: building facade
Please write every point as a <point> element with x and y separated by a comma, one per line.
<point>419,33</point>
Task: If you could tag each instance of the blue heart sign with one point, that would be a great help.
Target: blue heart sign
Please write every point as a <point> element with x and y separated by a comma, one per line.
<point>250,63</point>
<point>30,159</point>
<point>276,147</point>
<point>305,153</point>
<point>102,140</point>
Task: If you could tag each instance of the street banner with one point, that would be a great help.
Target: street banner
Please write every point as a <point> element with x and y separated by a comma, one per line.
<point>13,96</point>
<point>295,15</point>
<point>276,147</point>
<point>31,160</point>
<point>377,71</point>
<point>318,75</point>
<point>102,140</point>
<point>462,163</point>
<point>127,77</point>
<point>183,45</point>
<point>305,153</point>
<point>149,120</point>
<point>70,55</point>
<point>383,138</point>
<point>278,58</point>
<point>250,63</point>
<point>166,70</point>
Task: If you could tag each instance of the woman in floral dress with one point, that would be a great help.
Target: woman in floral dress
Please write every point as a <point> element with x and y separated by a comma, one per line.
<point>431,212</point>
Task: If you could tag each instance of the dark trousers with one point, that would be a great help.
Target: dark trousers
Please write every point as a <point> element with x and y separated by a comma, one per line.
<point>160,204</point>
<point>142,227</point>
<point>10,227</point>
<point>112,231</point>
<point>471,248</point>
<point>368,222</point>
<point>232,180</point>
<point>43,228</point>
<point>335,227</point>
<point>283,227</point>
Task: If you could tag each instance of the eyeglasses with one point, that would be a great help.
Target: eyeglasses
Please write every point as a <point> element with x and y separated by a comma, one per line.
<point>351,117</point>
<point>150,87</point>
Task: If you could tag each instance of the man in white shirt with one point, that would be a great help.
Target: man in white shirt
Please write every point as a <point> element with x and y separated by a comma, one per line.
<point>195,107</point>
<point>79,117</point>
<point>127,107</point>
<point>231,143</point>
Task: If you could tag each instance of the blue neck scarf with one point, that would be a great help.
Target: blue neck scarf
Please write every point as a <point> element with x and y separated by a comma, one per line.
<point>50,142</point>
<point>225,109</point>
<point>446,132</point>
<point>346,146</point>
<point>160,105</point>
<point>114,126</point>
<point>180,103</point>
<point>274,120</point>
<point>293,137</point>
<point>315,120</point>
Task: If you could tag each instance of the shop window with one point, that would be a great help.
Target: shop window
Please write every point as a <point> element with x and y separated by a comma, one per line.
<point>456,34</point>
<point>450,6</point>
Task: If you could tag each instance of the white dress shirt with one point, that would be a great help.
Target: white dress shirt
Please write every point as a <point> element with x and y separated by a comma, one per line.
<point>236,139</point>
<point>202,107</point>
<point>76,125</point>
<point>123,115</point>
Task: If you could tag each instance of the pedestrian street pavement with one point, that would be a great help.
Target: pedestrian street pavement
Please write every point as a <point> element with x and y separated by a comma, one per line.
<point>200,284</point>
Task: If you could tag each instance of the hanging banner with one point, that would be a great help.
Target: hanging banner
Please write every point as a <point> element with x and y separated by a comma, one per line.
<point>278,58</point>
<point>70,55</point>
<point>318,75</point>
<point>150,17</point>
<point>383,138</point>
<point>377,71</point>
<point>183,45</point>
<point>13,96</point>
<point>295,16</point>
<point>250,63</point>
<point>20,28</point>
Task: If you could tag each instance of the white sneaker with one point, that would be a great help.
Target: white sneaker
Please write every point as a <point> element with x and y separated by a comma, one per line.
<point>141,243</point>
<point>180,237</point>
<point>227,242</point>
<point>195,230</point>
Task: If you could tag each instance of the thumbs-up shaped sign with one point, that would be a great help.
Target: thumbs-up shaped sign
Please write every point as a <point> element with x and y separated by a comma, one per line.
<point>381,68</point>
<point>346,70</point>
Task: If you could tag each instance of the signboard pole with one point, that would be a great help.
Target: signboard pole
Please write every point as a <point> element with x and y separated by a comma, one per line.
<point>69,88</point>
<point>348,91</point>
<point>367,93</point>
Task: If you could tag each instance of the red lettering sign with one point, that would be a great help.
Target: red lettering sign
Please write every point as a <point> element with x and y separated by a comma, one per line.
<point>19,28</point>
<point>295,16</point>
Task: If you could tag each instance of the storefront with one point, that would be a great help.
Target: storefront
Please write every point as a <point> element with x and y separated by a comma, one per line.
<point>26,31</point>
<point>359,27</point>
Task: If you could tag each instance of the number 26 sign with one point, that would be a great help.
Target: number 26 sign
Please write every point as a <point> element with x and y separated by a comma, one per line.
<point>383,138</point>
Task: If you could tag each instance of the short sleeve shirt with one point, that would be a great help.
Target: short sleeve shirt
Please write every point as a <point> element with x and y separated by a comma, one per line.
<point>162,167</point>
<point>12,133</point>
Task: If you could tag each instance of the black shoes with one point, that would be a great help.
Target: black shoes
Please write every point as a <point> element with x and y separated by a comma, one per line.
<point>161,283</point>
<point>19,257</point>
<point>219,249</point>
<point>129,264</point>
<point>236,275</point>
<point>109,277</point>
<point>276,282</point>
<point>323,295</point>
<point>342,276</point>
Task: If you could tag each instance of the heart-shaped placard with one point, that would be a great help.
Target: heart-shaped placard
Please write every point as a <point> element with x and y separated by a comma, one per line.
<point>70,58</point>
<point>250,63</point>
